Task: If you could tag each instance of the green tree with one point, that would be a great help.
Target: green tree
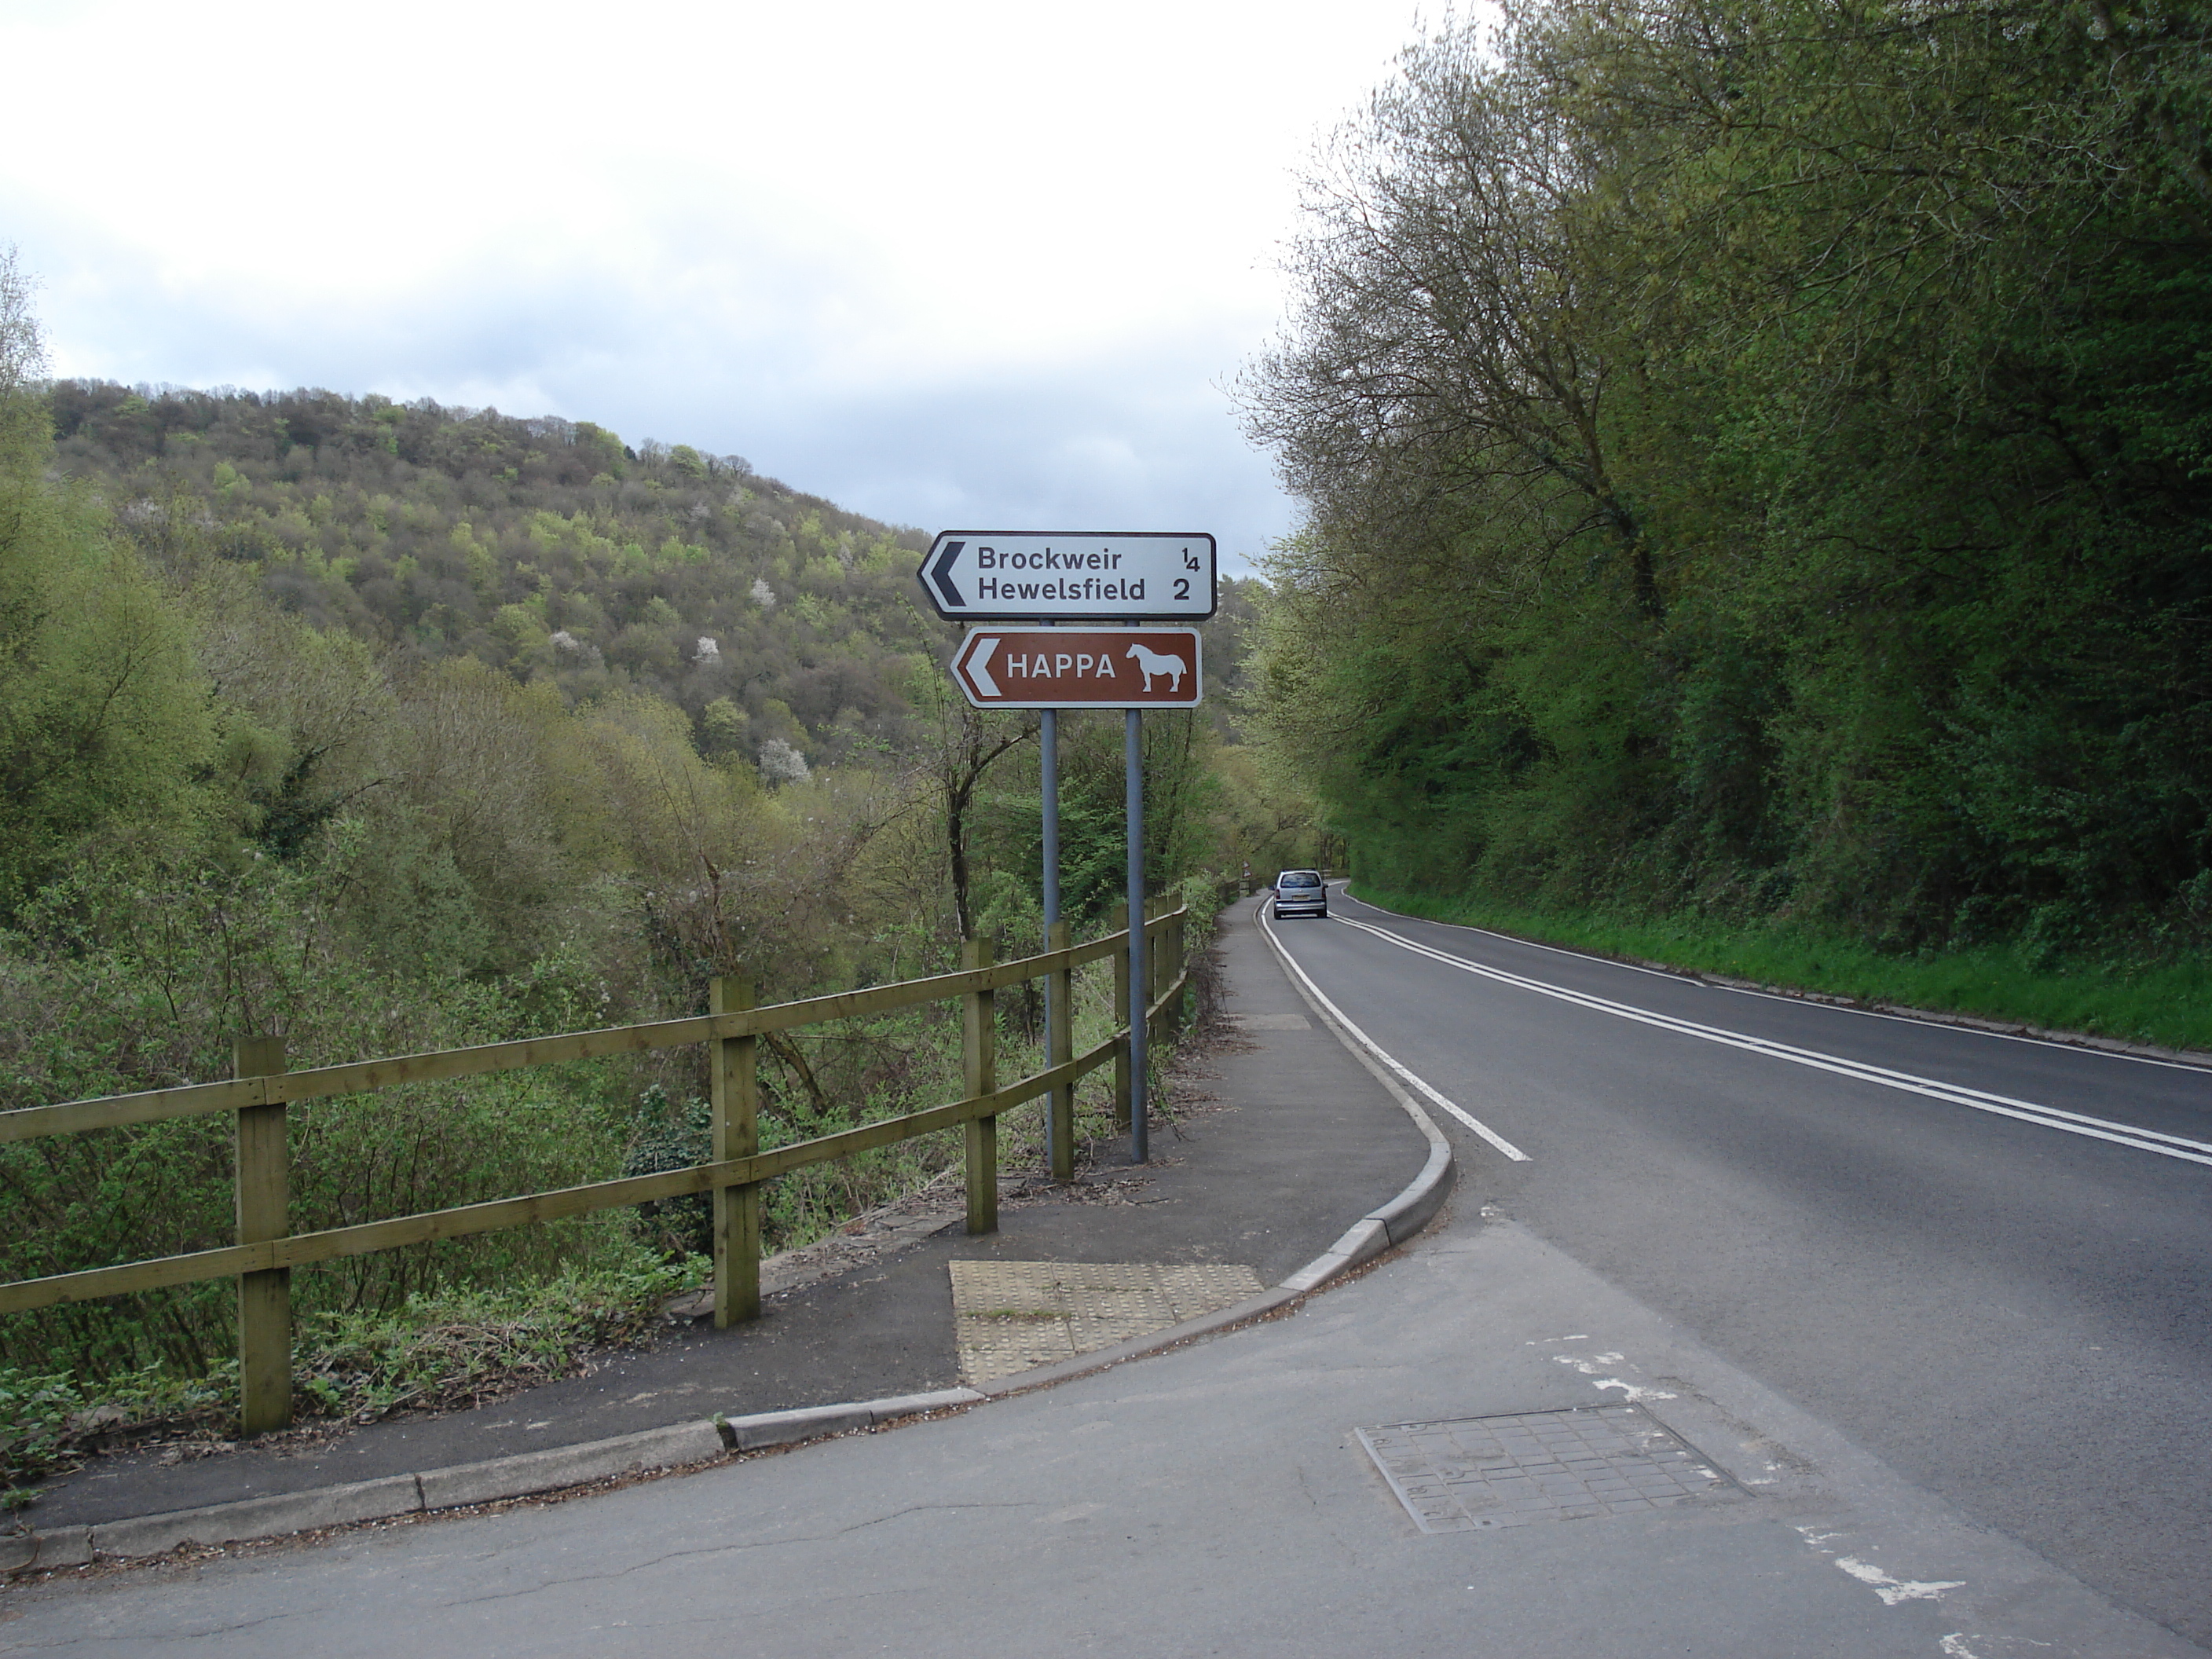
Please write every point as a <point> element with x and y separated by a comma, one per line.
<point>103,710</point>
<point>1756,455</point>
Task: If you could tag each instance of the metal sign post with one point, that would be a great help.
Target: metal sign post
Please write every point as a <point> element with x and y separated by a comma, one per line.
<point>1048,767</point>
<point>1056,1015</point>
<point>1133,753</point>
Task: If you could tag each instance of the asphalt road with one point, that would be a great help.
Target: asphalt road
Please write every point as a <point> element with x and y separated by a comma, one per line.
<point>1884,1220</point>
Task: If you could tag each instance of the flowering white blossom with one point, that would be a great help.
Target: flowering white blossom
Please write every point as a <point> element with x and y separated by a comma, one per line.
<point>763,595</point>
<point>781,764</point>
<point>566,640</point>
<point>708,651</point>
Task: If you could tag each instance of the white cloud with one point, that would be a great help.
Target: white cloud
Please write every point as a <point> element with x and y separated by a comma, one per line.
<point>978,259</point>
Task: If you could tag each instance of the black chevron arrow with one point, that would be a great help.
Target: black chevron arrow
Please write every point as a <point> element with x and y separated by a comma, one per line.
<point>941,573</point>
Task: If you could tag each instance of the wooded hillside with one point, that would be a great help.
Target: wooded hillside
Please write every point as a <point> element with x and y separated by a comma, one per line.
<point>544,548</point>
<point>1760,456</point>
<point>387,727</point>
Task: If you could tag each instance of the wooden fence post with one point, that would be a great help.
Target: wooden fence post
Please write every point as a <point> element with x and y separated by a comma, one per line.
<point>1156,960</point>
<point>263,1167</point>
<point>1122,1108</point>
<point>1171,970</point>
<point>979,1051</point>
<point>1060,1048</point>
<point>735,1103</point>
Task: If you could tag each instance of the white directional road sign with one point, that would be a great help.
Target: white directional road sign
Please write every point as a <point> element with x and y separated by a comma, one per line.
<point>1031,575</point>
<point>1080,667</point>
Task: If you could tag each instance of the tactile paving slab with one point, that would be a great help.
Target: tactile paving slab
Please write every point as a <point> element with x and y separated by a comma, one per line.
<point>1011,1316</point>
<point>1471,1472</point>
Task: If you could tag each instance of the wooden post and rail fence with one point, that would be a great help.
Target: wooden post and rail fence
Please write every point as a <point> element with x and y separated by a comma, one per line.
<point>261,1088</point>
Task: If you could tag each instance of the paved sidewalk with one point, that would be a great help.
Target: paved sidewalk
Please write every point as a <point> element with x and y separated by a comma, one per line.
<point>1298,1143</point>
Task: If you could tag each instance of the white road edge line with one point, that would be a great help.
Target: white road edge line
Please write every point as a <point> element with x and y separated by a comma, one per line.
<point>1381,1053</point>
<point>1959,1093</point>
<point>1704,984</point>
<point>1532,945</point>
<point>2027,1111</point>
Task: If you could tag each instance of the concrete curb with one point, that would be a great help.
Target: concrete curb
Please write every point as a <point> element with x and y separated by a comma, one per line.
<point>64,1546</point>
<point>682,1445</point>
<point>560,1466</point>
<point>259,1517</point>
<point>690,1445</point>
<point>1413,1209</point>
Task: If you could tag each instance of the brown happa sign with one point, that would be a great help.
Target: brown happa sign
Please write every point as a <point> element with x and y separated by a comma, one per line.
<point>1080,667</point>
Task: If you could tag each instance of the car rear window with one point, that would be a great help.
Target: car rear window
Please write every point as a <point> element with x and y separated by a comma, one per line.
<point>1298,878</point>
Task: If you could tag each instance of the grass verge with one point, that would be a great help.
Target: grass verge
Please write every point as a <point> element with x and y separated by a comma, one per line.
<point>2168,1004</point>
<point>438,1352</point>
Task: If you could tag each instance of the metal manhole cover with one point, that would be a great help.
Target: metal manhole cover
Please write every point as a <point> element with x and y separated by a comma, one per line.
<point>1477,1472</point>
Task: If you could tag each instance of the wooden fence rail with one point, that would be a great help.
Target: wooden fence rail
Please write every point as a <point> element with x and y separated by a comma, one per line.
<point>266,1251</point>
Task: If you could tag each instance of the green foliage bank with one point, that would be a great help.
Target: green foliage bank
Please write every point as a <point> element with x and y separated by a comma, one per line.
<point>386,728</point>
<point>1759,462</point>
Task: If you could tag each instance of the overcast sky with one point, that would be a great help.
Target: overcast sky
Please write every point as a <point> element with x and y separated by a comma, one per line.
<point>968,264</point>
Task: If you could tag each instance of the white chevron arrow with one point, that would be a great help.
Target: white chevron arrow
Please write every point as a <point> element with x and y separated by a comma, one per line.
<point>980,655</point>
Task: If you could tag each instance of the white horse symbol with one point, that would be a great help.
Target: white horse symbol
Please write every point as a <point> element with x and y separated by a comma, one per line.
<point>1154,662</point>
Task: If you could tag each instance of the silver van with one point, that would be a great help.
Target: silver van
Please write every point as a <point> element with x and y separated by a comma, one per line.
<point>1300,893</point>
